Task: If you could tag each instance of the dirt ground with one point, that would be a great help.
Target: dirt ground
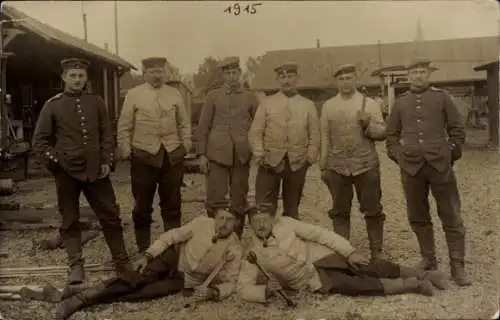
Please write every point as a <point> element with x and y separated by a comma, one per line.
<point>477,173</point>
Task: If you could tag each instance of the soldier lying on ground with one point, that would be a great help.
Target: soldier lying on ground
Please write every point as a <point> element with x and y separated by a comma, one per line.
<point>301,256</point>
<point>203,244</point>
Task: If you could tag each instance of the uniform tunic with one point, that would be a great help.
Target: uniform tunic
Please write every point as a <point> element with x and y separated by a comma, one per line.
<point>74,130</point>
<point>199,255</point>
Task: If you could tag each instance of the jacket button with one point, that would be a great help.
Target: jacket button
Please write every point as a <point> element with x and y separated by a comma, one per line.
<point>420,140</point>
<point>84,130</point>
<point>418,120</point>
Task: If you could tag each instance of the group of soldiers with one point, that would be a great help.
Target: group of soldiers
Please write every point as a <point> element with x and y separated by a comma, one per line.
<point>283,135</point>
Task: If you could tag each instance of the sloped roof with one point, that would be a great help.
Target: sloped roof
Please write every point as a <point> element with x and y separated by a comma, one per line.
<point>486,65</point>
<point>62,38</point>
<point>455,59</point>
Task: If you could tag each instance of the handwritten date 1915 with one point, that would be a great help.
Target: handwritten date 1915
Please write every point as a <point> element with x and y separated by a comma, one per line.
<point>237,9</point>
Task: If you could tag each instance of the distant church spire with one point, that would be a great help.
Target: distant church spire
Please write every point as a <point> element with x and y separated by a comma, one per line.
<point>419,41</point>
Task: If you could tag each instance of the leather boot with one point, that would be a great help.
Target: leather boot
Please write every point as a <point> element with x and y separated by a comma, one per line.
<point>342,226</point>
<point>143,238</point>
<point>48,293</point>
<point>408,285</point>
<point>72,241</point>
<point>116,245</point>
<point>171,221</point>
<point>375,230</point>
<point>456,248</point>
<point>425,238</point>
<point>69,291</point>
<point>437,278</point>
<point>69,306</point>
<point>239,226</point>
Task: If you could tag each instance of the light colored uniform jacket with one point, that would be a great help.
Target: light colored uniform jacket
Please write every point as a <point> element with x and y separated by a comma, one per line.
<point>199,256</point>
<point>289,256</point>
<point>151,118</point>
<point>285,126</point>
<point>345,147</point>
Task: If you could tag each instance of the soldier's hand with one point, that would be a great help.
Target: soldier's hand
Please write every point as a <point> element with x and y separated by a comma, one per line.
<point>202,293</point>
<point>141,264</point>
<point>363,118</point>
<point>203,163</point>
<point>105,169</point>
<point>355,260</point>
<point>272,287</point>
<point>258,160</point>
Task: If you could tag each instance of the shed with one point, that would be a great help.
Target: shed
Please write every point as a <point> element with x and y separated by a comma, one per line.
<point>492,76</point>
<point>31,71</point>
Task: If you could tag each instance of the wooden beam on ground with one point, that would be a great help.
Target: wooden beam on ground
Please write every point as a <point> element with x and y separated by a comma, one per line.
<point>26,272</point>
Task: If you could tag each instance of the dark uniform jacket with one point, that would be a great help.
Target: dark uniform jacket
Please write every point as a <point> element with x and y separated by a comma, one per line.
<point>73,133</point>
<point>425,127</point>
<point>225,119</point>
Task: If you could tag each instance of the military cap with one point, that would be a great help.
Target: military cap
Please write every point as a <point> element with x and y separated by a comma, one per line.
<point>219,205</point>
<point>229,63</point>
<point>74,63</point>
<point>287,67</point>
<point>154,62</point>
<point>343,69</point>
<point>421,63</point>
<point>262,208</point>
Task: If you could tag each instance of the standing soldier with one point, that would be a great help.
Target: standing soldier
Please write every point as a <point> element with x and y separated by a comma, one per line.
<point>285,141</point>
<point>154,130</point>
<point>222,137</point>
<point>74,136</point>
<point>425,135</point>
<point>350,123</point>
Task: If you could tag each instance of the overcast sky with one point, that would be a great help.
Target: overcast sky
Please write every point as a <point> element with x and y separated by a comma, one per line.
<point>186,32</point>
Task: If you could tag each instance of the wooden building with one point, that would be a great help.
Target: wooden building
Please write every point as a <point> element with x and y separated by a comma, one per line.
<point>32,70</point>
<point>492,85</point>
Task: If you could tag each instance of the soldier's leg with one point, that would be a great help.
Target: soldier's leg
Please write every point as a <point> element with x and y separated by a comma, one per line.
<point>337,281</point>
<point>416,190</point>
<point>68,200</point>
<point>369,193</point>
<point>238,191</point>
<point>115,288</point>
<point>445,190</point>
<point>169,190</point>
<point>144,180</point>
<point>340,188</point>
<point>101,197</point>
<point>217,183</point>
<point>293,187</point>
<point>267,186</point>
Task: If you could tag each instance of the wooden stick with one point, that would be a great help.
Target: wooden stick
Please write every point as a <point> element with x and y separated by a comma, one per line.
<point>10,296</point>
<point>17,288</point>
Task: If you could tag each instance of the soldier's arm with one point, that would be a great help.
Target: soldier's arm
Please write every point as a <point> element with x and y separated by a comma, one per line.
<point>394,128</point>
<point>44,135</point>
<point>106,134</point>
<point>319,235</point>
<point>324,136</point>
<point>248,288</point>
<point>172,237</point>
<point>454,124</point>
<point>229,274</point>
<point>376,129</point>
<point>183,123</point>
<point>314,134</point>
<point>126,124</point>
<point>205,124</point>
<point>256,132</point>
<point>254,104</point>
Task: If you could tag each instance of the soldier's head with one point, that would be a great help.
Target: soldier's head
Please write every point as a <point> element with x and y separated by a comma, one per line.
<point>262,219</point>
<point>74,74</point>
<point>231,71</point>
<point>224,219</point>
<point>154,71</point>
<point>345,79</point>
<point>419,72</point>
<point>287,75</point>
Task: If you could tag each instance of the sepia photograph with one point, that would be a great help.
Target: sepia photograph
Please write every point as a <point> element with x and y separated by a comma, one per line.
<point>265,160</point>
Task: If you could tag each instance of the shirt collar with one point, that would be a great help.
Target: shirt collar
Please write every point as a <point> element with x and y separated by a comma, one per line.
<point>233,91</point>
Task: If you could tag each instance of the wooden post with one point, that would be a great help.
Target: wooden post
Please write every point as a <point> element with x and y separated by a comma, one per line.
<point>494,116</point>
<point>116,93</point>
<point>105,87</point>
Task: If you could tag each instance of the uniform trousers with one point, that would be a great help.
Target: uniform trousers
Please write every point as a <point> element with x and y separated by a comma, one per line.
<point>101,197</point>
<point>268,182</point>
<point>167,177</point>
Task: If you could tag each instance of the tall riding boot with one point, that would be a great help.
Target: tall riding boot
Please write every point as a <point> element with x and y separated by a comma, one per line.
<point>342,226</point>
<point>239,226</point>
<point>456,248</point>
<point>143,237</point>
<point>171,221</point>
<point>83,299</point>
<point>408,285</point>
<point>116,244</point>
<point>72,241</point>
<point>375,230</point>
<point>437,278</point>
<point>425,238</point>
